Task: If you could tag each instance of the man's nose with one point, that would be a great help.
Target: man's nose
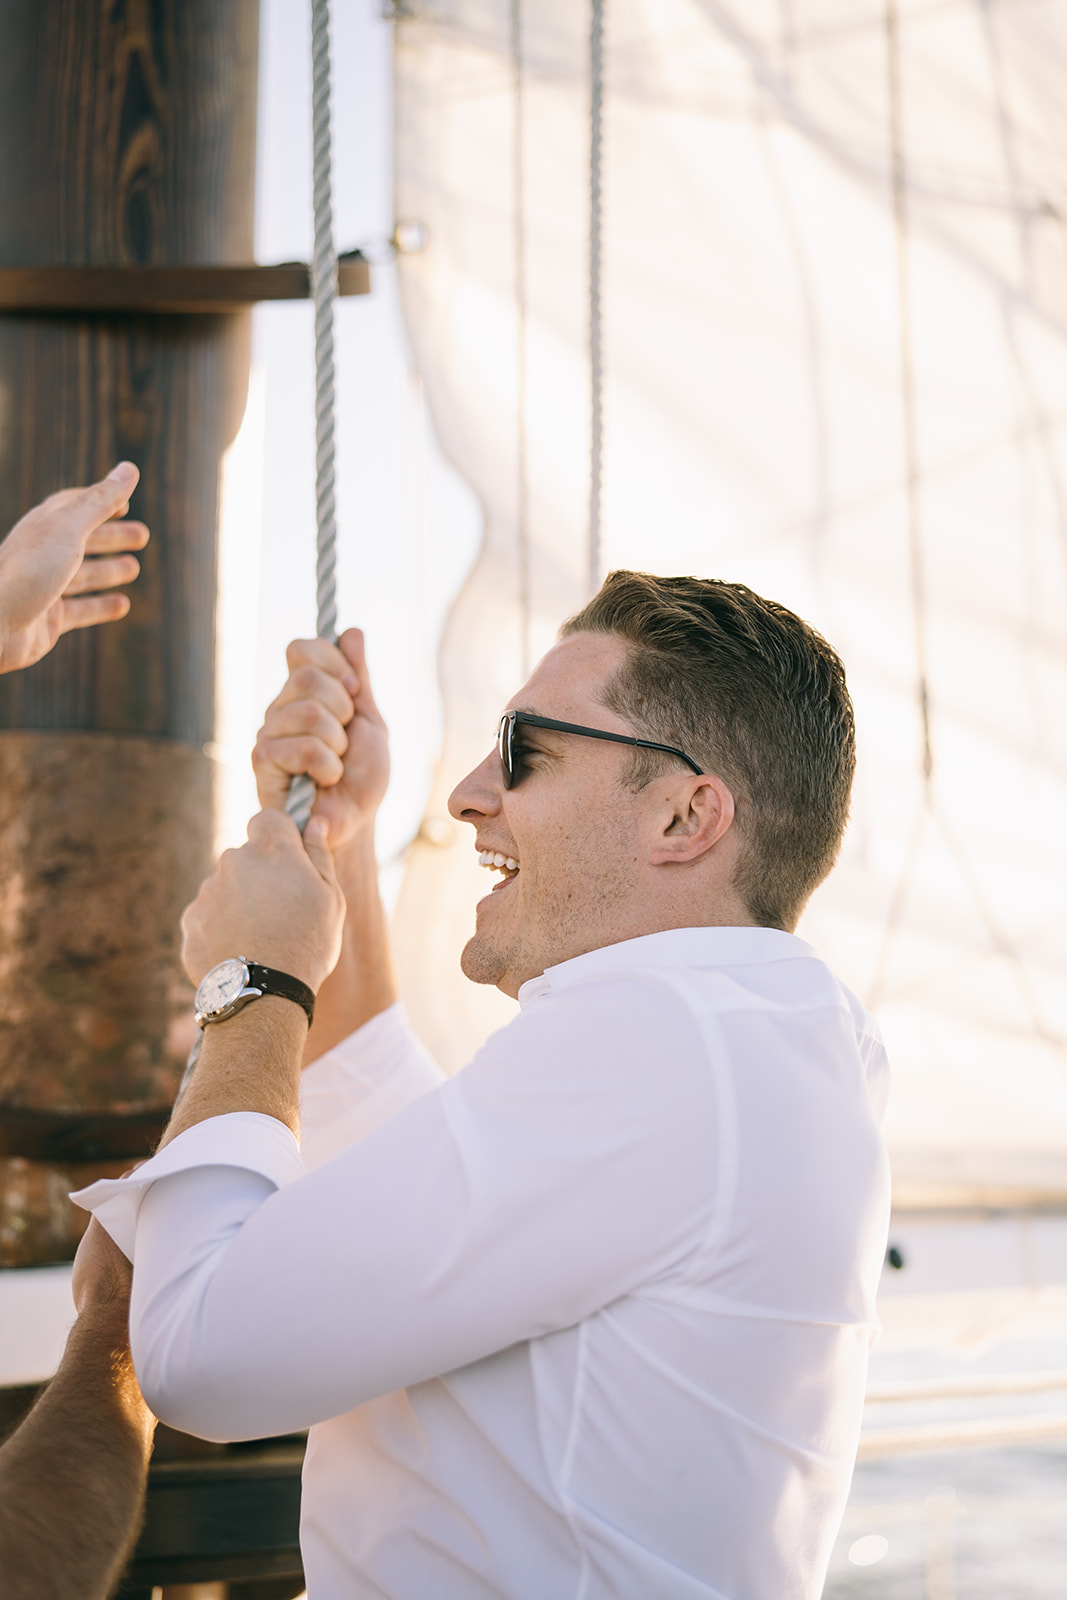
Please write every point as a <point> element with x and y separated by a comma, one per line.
<point>478,794</point>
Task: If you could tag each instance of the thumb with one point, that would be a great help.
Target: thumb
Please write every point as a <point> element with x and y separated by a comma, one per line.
<point>316,835</point>
<point>111,496</point>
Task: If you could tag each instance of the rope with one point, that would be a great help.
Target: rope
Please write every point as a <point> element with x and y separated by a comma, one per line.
<point>596,360</point>
<point>324,293</point>
<point>522,454</point>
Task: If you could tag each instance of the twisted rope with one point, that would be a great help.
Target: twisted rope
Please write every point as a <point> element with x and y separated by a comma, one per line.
<point>324,293</point>
<point>596,365</point>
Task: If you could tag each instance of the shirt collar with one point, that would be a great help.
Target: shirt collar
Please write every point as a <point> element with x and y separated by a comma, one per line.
<point>673,947</point>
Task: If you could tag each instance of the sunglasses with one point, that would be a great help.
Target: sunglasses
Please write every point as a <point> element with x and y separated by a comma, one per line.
<point>510,757</point>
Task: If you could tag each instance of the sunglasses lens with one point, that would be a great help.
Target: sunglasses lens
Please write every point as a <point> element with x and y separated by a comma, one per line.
<point>503,744</point>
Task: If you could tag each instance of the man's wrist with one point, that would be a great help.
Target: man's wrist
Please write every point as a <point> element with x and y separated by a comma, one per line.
<point>270,1013</point>
<point>249,1062</point>
<point>356,862</point>
<point>236,982</point>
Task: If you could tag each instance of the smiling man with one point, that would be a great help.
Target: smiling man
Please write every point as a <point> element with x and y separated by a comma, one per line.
<point>591,1319</point>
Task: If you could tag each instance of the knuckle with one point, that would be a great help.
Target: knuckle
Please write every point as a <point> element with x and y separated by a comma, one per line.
<point>314,716</point>
<point>297,651</point>
<point>306,679</point>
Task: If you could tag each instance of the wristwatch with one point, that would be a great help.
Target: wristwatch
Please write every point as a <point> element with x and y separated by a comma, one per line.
<point>234,982</point>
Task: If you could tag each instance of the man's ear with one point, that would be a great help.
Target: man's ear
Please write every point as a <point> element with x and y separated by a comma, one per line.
<point>697,813</point>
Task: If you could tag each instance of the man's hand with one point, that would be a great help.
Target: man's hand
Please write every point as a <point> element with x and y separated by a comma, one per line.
<point>276,901</point>
<point>325,723</point>
<point>55,562</point>
<point>102,1275</point>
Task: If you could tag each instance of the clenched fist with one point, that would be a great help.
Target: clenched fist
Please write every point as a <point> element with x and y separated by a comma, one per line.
<point>325,723</point>
<point>276,900</point>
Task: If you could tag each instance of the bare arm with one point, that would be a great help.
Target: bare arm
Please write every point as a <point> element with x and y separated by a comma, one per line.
<point>72,1477</point>
<point>58,562</point>
<point>326,722</point>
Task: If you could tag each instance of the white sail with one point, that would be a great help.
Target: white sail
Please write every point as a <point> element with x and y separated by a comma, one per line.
<point>834,320</point>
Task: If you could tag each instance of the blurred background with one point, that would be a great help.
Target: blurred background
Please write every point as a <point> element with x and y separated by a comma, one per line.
<point>776,292</point>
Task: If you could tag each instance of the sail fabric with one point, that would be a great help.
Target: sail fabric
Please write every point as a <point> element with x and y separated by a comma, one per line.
<point>834,332</point>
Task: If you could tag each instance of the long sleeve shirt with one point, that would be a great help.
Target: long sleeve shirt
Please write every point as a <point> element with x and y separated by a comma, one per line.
<point>589,1321</point>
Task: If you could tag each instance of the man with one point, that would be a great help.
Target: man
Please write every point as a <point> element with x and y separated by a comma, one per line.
<point>592,1318</point>
<point>72,1476</point>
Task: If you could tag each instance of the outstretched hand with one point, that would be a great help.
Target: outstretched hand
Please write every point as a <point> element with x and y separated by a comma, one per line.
<point>325,722</point>
<point>56,563</point>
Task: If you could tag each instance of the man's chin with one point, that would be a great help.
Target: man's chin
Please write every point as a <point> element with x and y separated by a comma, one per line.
<point>482,961</point>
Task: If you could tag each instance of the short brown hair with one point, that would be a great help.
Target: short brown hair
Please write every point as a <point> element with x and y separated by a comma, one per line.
<point>758,698</point>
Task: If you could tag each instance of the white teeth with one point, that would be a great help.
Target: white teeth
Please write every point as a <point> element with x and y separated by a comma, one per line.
<point>494,858</point>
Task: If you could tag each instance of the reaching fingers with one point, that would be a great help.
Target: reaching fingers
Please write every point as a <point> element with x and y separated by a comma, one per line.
<point>91,609</point>
<point>112,494</point>
<point>102,572</point>
<point>113,536</point>
<point>79,511</point>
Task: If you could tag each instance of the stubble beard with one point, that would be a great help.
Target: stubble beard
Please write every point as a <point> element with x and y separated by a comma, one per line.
<point>489,961</point>
<point>482,961</point>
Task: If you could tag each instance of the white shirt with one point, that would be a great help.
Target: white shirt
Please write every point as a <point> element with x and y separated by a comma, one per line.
<point>589,1321</point>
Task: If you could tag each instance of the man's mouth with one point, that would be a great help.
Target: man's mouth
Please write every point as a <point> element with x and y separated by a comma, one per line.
<point>496,862</point>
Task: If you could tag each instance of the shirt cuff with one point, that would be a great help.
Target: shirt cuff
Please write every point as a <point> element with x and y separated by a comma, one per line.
<point>244,1139</point>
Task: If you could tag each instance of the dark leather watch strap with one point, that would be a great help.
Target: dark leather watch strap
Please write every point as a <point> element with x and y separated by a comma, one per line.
<point>282,984</point>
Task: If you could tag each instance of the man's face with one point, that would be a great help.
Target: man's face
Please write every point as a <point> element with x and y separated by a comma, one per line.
<point>569,822</point>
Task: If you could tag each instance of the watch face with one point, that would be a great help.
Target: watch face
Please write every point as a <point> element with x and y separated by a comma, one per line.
<point>220,986</point>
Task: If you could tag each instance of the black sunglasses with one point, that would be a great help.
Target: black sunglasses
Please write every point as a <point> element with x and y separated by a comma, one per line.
<point>505,741</point>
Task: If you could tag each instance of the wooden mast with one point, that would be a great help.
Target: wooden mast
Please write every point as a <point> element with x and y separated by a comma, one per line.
<point>127,137</point>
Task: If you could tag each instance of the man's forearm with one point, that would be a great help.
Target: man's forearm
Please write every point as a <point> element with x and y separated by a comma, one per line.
<point>72,1477</point>
<point>250,1062</point>
<point>362,983</point>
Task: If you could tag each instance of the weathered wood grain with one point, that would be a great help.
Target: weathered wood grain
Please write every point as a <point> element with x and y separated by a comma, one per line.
<point>127,138</point>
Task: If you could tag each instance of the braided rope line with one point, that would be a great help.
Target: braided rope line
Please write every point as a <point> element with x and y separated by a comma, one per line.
<point>324,292</point>
<point>596,358</point>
